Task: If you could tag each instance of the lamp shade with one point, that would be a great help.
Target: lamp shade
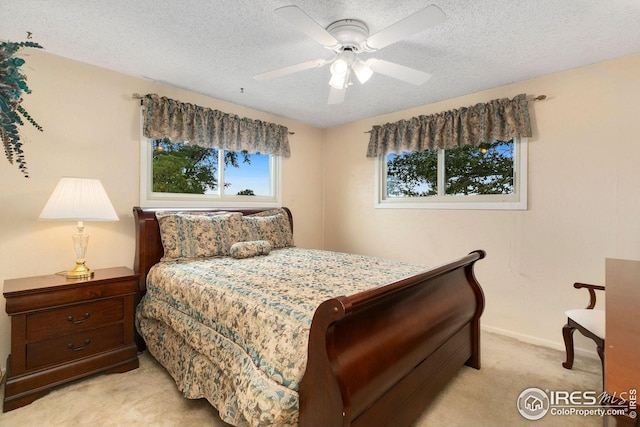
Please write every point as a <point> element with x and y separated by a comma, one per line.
<point>79,199</point>
<point>363,72</point>
<point>339,81</point>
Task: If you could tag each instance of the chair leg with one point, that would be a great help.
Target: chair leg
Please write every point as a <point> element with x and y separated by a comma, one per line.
<point>601,354</point>
<point>567,333</point>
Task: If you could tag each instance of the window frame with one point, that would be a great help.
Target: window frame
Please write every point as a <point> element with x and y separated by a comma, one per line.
<point>516,201</point>
<point>151,199</point>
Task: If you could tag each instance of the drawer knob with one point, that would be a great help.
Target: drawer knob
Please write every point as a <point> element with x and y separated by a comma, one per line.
<point>82,347</point>
<point>75,322</point>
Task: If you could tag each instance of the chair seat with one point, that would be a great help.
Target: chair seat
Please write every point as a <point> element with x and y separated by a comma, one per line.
<point>593,320</point>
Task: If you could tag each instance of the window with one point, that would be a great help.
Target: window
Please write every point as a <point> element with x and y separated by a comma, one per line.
<point>489,176</point>
<point>179,174</point>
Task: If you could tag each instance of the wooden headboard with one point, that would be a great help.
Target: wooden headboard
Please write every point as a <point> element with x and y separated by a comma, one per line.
<point>149,248</point>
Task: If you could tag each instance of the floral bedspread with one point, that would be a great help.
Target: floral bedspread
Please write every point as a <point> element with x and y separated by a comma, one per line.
<point>235,331</point>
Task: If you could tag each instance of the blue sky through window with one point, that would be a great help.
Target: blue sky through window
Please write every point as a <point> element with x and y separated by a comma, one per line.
<point>253,176</point>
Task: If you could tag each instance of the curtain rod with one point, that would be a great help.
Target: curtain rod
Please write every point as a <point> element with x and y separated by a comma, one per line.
<point>138,96</point>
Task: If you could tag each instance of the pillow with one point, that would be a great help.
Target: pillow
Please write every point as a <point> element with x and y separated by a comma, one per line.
<point>272,225</point>
<point>203,213</point>
<point>186,235</point>
<point>250,249</point>
<point>192,213</point>
<point>272,212</point>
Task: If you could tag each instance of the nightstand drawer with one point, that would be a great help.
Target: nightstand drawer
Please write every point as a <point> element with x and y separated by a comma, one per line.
<point>75,346</point>
<point>63,330</point>
<point>73,318</point>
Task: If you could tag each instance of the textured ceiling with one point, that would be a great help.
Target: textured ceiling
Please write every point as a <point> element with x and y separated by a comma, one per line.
<point>214,47</point>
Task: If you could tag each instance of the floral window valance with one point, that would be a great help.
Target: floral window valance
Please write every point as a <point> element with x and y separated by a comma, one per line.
<point>168,118</point>
<point>500,119</point>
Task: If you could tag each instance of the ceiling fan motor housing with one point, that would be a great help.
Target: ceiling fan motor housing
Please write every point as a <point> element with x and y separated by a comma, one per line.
<point>351,33</point>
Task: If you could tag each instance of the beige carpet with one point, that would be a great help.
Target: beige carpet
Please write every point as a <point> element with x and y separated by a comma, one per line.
<point>148,397</point>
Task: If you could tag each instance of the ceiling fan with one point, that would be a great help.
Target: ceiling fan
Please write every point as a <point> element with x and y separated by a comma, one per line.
<point>347,38</point>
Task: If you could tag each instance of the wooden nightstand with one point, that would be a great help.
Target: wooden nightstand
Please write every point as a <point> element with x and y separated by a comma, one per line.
<point>62,330</point>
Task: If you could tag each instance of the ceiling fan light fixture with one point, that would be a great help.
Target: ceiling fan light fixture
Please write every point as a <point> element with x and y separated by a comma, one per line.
<point>363,71</point>
<point>339,80</point>
<point>339,66</point>
<point>340,70</point>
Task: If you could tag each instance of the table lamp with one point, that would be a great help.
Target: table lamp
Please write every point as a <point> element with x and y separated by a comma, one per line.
<point>79,199</point>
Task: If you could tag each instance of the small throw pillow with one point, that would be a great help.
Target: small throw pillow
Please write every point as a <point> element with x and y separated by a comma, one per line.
<point>250,249</point>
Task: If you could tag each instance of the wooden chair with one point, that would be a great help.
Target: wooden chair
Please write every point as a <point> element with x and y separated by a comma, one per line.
<point>590,323</point>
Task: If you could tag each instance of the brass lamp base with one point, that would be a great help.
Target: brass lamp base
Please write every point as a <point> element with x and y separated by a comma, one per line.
<point>80,271</point>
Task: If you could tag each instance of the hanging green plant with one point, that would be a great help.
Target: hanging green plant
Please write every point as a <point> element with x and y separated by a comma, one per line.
<point>12,84</point>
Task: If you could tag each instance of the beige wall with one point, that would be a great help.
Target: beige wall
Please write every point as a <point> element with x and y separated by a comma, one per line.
<point>91,128</point>
<point>583,188</point>
<point>584,201</point>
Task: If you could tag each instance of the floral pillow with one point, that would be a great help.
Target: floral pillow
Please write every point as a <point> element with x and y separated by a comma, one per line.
<point>272,225</point>
<point>186,235</point>
<point>250,249</point>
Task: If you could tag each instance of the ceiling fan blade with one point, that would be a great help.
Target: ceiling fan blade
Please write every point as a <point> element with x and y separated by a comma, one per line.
<point>428,17</point>
<point>397,71</point>
<point>336,96</point>
<point>279,72</point>
<point>296,17</point>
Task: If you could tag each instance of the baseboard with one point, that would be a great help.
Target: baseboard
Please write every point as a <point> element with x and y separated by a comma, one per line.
<point>539,341</point>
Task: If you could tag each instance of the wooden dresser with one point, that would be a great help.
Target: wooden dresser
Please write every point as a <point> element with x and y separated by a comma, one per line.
<point>622,345</point>
<point>63,330</point>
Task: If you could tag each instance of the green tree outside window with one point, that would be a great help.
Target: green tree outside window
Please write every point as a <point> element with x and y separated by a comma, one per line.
<point>468,170</point>
<point>184,168</point>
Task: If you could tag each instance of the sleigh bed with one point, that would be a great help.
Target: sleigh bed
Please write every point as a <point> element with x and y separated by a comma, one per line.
<point>285,336</point>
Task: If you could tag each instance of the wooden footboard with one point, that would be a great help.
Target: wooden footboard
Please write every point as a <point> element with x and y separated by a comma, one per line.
<point>377,358</point>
